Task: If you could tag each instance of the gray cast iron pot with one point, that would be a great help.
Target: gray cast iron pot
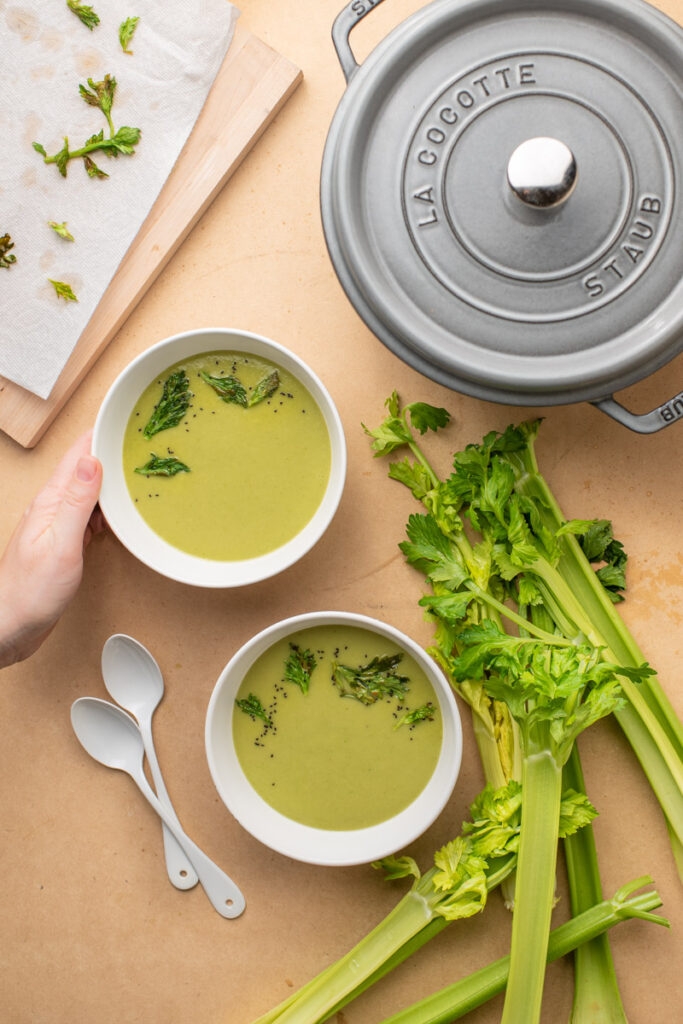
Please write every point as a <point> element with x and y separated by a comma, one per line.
<point>547,277</point>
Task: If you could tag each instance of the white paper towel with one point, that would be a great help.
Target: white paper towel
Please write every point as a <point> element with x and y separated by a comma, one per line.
<point>178,48</point>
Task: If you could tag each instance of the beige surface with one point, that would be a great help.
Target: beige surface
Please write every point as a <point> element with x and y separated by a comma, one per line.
<point>91,930</point>
<point>251,86</point>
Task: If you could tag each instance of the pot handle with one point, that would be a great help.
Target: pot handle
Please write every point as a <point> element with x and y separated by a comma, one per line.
<point>644,423</point>
<point>345,21</point>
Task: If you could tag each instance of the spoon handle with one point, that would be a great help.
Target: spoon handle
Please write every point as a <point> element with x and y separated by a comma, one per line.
<point>180,871</point>
<point>224,895</point>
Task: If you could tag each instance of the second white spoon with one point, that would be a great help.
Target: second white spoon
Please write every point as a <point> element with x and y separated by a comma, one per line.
<point>113,738</point>
<point>134,680</point>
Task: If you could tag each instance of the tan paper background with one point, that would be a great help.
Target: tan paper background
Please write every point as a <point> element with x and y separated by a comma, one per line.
<point>90,928</point>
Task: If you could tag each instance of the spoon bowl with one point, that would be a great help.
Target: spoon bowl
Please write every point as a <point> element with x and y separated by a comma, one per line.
<point>132,675</point>
<point>108,734</point>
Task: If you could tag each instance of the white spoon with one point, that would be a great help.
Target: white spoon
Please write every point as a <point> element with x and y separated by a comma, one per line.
<point>133,678</point>
<point>113,738</point>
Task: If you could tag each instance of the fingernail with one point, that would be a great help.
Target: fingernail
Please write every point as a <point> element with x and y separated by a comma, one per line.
<point>86,468</point>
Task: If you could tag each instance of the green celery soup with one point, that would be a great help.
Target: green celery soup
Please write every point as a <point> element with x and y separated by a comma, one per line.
<point>254,448</point>
<point>326,759</point>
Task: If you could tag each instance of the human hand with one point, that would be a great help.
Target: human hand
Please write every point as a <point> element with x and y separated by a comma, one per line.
<point>42,565</point>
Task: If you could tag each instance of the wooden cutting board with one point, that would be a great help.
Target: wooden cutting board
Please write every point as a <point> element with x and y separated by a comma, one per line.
<point>252,85</point>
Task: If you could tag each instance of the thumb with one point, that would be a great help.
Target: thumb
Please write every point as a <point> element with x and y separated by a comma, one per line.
<point>79,498</point>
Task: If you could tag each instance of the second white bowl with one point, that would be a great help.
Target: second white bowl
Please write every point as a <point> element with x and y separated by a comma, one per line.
<point>302,842</point>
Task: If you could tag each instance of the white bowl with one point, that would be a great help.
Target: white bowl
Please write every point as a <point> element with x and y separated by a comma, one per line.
<point>301,842</point>
<point>115,500</point>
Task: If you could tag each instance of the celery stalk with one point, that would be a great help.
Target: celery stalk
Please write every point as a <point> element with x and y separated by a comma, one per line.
<point>407,949</point>
<point>574,608</point>
<point>488,751</point>
<point>554,691</point>
<point>596,992</point>
<point>649,721</point>
<point>534,887</point>
<point>464,872</point>
<point>456,1000</point>
<point>319,997</point>
<point>494,773</point>
<point>575,567</point>
<point>342,982</point>
<point>408,926</point>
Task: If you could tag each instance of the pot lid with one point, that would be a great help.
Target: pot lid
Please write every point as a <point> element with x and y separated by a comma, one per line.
<point>502,195</point>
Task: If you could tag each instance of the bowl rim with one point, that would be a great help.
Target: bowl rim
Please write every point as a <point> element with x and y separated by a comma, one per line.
<point>304,843</point>
<point>117,507</point>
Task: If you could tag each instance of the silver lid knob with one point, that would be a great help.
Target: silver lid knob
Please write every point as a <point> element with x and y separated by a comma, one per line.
<point>542,172</point>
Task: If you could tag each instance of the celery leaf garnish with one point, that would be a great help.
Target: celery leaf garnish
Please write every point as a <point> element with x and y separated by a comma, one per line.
<point>123,141</point>
<point>253,707</point>
<point>229,388</point>
<point>7,258</point>
<point>172,406</point>
<point>93,170</point>
<point>372,682</point>
<point>156,466</point>
<point>422,714</point>
<point>265,388</point>
<point>84,13</point>
<point>61,230</point>
<point>126,33</point>
<point>63,290</point>
<point>299,667</point>
<point>100,95</point>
